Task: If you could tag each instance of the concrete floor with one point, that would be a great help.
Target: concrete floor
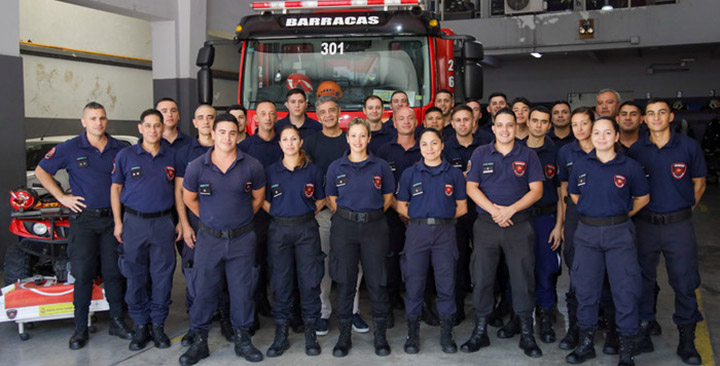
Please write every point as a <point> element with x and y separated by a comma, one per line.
<point>48,345</point>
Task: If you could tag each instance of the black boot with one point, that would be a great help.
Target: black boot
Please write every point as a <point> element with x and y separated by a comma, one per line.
<point>197,351</point>
<point>644,343</point>
<point>627,345</point>
<point>412,344</point>
<point>612,338</point>
<point>312,347</point>
<point>280,343</point>
<point>655,328</point>
<point>382,348</point>
<point>446,335</point>
<point>120,329</point>
<point>344,343</point>
<point>686,347</point>
<point>510,329</point>
<point>226,328</point>
<point>428,315</point>
<point>188,339</point>
<point>570,341</point>
<point>585,349</point>
<point>547,333</point>
<point>478,338</point>
<point>79,338</point>
<point>244,347</point>
<point>160,339</point>
<point>527,339</point>
<point>141,337</point>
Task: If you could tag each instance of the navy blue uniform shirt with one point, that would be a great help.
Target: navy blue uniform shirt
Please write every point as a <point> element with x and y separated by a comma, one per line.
<point>671,170</point>
<point>359,186</point>
<point>89,169</point>
<point>432,191</point>
<point>398,158</point>
<point>458,155</point>
<point>566,158</point>
<point>323,150</point>
<point>309,127</point>
<point>607,189</point>
<point>186,154</point>
<point>504,179</point>
<point>180,141</point>
<point>267,152</point>
<point>225,198</point>
<point>548,159</point>
<point>293,193</point>
<point>148,181</point>
<point>381,137</point>
<point>560,142</point>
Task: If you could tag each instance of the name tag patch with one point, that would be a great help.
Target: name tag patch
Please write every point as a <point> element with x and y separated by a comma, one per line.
<point>205,189</point>
<point>136,172</point>
<point>82,162</point>
<point>276,190</point>
<point>488,168</point>
<point>341,180</point>
<point>417,189</point>
<point>582,179</point>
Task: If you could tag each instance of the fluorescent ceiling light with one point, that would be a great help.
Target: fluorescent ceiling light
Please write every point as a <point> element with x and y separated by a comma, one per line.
<point>536,54</point>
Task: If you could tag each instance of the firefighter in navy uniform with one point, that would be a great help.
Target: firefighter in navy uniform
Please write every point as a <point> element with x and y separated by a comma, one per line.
<point>295,193</point>
<point>224,188</point>
<point>88,159</point>
<point>431,194</point>
<point>608,188</point>
<point>504,180</point>
<point>143,184</point>
<point>359,188</point>
<point>677,171</point>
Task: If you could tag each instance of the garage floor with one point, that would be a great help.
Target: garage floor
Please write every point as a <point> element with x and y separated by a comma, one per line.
<point>48,345</point>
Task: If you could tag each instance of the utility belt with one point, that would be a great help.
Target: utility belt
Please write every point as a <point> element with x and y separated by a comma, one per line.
<point>432,221</point>
<point>97,212</point>
<point>148,215</point>
<point>543,210</point>
<point>666,218</point>
<point>604,221</point>
<point>360,216</point>
<point>516,218</point>
<point>294,220</point>
<point>227,234</point>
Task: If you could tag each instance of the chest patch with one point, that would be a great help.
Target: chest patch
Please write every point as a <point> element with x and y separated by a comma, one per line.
<point>679,170</point>
<point>377,182</point>
<point>205,189</point>
<point>582,179</point>
<point>392,165</point>
<point>170,172</point>
<point>619,180</point>
<point>488,168</point>
<point>519,168</point>
<point>309,190</point>
<point>341,180</point>
<point>449,189</point>
<point>136,172</point>
<point>457,163</point>
<point>550,171</point>
<point>82,162</point>
<point>417,189</point>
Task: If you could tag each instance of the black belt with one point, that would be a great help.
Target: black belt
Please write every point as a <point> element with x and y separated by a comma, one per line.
<point>432,221</point>
<point>604,221</point>
<point>665,219</point>
<point>360,216</point>
<point>569,201</point>
<point>544,210</point>
<point>227,234</point>
<point>294,220</point>
<point>148,215</point>
<point>516,218</point>
<point>100,212</point>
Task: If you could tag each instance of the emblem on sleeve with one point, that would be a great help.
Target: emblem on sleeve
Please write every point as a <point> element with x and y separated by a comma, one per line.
<point>50,153</point>
<point>469,166</point>
<point>170,172</point>
<point>449,189</point>
<point>248,186</point>
<point>678,170</point>
<point>377,181</point>
<point>619,180</point>
<point>113,171</point>
<point>519,168</point>
<point>309,190</point>
<point>550,170</point>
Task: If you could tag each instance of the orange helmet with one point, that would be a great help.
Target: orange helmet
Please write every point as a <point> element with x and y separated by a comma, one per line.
<point>329,89</point>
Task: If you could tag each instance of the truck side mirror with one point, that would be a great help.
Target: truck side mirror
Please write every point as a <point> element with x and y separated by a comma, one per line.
<point>205,59</point>
<point>473,80</point>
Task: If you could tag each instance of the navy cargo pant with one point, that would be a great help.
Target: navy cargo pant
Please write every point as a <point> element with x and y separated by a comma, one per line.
<point>547,261</point>
<point>517,243</point>
<point>295,249</point>
<point>148,263</point>
<point>233,259</point>
<point>426,245</point>
<point>572,218</point>
<point>677,243</point>
<point>611,248</point>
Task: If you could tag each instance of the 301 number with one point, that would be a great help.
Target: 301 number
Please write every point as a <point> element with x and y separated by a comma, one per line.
<point>332,48</point>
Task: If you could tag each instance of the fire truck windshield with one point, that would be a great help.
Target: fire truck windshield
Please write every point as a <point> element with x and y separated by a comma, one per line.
<point>357,67</point>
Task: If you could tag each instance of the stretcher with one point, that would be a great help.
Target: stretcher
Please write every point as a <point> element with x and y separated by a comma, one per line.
<point>39,298</point>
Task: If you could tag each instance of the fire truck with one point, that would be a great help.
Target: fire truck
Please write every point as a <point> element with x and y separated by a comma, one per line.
<point>362,47</point>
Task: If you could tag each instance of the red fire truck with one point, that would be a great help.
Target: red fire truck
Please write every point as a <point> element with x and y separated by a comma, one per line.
<point>365,47</point>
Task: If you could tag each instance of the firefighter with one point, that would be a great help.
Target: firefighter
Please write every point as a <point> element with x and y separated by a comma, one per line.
<point>224,187</point>
<point>359,188</point>
<point>88,159</point>
<point>143,184</point>
<point>608,188</point>
<point>431,194</point>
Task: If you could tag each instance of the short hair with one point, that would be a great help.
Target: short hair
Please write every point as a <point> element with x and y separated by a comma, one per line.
<point>506,110</point>
<point>497,94</point>
<point>583,110</point>
<point>165,99</point>
<point>398,92</point>
<point>444,91</point>
<point>359,121</point>
<point>539,108</point>
<point>294,91</point>
<point>522,100</point>
<point>93,105</point>
<point>557,102</point>
<point>608,90</point>
<point>462,107</point>
<point>658,100</point>
<point>236,107</point>
<point>226,117</point>
<point>470,100</point>
<point>203,106</point>
<point>431,130</point>
<point>325,99</point>
<point>432,109</point>
<point>369,97</point>
<point>265,101</point>
<point>633,104</point>
<point>150,112</point>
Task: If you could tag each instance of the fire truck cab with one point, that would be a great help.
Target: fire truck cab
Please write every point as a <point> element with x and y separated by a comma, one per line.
<point>364,47</point>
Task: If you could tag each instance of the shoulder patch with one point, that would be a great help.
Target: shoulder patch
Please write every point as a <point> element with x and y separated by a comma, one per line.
<point>50,153</point>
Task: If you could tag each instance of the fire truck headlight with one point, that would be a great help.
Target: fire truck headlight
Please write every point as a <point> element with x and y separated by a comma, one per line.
<point>39,229</point>
<point>433,23</point>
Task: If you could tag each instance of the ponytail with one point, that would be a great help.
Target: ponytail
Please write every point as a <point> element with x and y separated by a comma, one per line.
<point>304,159</point>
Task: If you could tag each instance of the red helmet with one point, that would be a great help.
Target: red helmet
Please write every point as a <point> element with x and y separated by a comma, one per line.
<point>329,89</point>
<point>298,80</point>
